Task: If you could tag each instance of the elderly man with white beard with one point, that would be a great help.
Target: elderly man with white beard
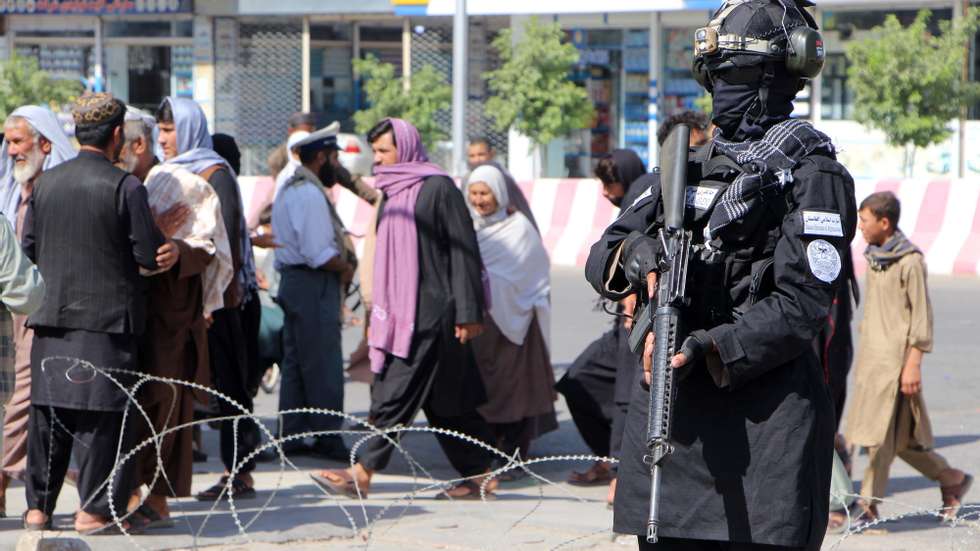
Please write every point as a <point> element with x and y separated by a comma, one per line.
<point>138,156</point>
<point>33,142</point>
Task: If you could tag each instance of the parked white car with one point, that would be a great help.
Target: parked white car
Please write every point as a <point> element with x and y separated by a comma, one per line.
<point>355,154</point>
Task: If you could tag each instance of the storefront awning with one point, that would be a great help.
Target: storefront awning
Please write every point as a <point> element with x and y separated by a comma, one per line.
<point>314,7</point>
<point>547,7</point>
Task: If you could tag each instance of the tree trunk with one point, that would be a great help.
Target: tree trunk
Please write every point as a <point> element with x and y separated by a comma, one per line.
<point>909,160</point>
<point>536,160</point>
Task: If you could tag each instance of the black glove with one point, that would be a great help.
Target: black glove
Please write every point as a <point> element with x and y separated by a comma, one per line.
<point>640,253</point>
<point>696,346</point>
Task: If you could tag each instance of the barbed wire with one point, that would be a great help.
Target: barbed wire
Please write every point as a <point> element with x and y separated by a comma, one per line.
<point>422,480</point>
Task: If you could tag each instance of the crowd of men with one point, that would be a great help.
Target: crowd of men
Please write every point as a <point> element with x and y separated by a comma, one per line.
<point>133,255</point>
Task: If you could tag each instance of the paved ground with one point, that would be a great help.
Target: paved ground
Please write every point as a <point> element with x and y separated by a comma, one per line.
<point>296,516</point>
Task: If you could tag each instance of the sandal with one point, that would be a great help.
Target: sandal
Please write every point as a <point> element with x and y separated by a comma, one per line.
<point>36,526</point>
<point>239,490</point>
<point>153,519</point>
<point>472,492</point>
<point>597,475</point>
<point>954,493</point>
<point>837,523</point>
<point>865,524</point>
<point>344,487</point>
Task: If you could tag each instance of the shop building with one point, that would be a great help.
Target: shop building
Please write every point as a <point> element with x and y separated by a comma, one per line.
<point>248,62</point>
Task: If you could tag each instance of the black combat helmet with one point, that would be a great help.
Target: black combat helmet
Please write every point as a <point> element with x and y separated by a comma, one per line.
<point>754,56</point>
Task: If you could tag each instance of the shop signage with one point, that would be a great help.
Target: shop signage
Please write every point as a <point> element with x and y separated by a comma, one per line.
<point>94,7</point>
<point>549,7</point>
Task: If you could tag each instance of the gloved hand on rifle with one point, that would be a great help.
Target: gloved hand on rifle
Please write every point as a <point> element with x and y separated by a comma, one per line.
<point>694,348</point>
<point>641,253</point>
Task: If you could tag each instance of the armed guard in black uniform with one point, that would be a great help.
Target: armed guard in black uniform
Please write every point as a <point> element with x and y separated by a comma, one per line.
<point>772,215</point>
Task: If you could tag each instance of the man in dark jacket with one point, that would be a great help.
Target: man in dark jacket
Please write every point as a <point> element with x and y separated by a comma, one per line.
<point>428,305</point>
<point>597,385</point>
<point>772,214</point>
<point>89,229</point>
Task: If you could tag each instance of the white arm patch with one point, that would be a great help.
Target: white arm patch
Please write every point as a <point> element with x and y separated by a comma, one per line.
<point>816,222</point>
<point>825,261</point>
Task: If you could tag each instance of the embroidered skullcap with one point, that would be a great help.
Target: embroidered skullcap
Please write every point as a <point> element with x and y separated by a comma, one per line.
<point>97,109</point>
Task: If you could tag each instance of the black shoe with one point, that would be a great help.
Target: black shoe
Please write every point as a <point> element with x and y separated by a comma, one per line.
<point>199,456</point>
<point>332,449</point>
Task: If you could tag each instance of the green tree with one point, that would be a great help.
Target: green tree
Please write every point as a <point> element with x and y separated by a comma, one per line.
<point>531,90</point>
<point>427,94</point>
<point>909,83</point>
<point>703,104</point>
<point>23,83</point>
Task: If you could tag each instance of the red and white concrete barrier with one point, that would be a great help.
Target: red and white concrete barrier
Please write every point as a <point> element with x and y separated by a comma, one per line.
<point>941,216</point>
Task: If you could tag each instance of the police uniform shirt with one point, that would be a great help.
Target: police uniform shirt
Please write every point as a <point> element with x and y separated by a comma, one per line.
<point>301,224</point>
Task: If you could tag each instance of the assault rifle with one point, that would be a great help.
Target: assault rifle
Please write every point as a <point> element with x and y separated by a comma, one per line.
<point>665,319</point>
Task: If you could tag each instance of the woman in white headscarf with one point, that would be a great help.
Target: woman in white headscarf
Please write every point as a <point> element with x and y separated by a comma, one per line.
<point>513,350</point>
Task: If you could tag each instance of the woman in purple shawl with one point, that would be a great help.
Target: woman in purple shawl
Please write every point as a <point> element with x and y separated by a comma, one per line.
<point>428,303</point>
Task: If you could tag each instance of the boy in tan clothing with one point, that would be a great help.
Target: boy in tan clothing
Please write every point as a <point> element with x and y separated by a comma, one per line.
<point>888,413</point>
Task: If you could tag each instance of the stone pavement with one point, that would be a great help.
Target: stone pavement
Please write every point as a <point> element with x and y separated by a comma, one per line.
<point>292,514</point>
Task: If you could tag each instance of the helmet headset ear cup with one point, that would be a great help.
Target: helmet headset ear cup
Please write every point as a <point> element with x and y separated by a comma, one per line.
<point>805,52</point>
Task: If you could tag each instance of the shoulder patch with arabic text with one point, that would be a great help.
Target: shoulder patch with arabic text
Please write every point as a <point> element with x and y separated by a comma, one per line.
<point>817,222</point>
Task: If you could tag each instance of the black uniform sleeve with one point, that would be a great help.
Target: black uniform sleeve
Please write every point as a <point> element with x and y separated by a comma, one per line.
<point>603,268</point>
<point>808,267</point>
<point>144,235</point>
<point>465,264</point>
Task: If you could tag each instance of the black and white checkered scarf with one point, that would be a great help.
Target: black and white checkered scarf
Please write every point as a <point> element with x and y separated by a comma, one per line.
<point>768,164</point>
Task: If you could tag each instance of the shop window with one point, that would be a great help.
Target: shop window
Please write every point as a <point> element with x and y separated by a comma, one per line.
<point>67,62</point>
<point>114,29</point>
<point>184,28</point>
<point>847,22</point>
<point>332,85</point>
<point>149,75</point>
<point>837,99</point>
<point>679,89</point>
<point>636,93</point>
<point>381,34</point>
<point>42,33</point>
<point>973,63</point>
<point>600,72</point>
<point>338,32</point>
<point>842,27</point>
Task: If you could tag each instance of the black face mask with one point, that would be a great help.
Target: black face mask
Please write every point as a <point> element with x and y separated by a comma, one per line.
<point>737,107</point>
<point>731,103</point>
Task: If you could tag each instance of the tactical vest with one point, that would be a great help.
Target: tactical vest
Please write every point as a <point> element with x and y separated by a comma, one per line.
<point>731,274</point>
